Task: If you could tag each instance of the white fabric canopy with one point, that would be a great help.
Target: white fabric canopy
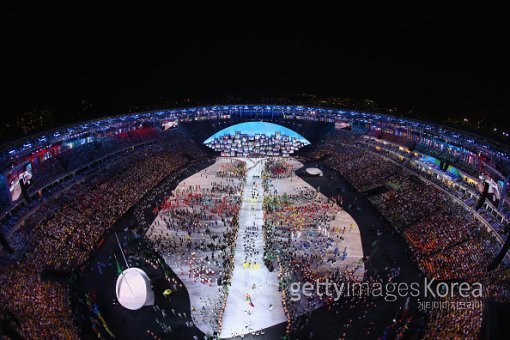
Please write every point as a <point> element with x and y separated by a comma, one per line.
<point>134,289</point>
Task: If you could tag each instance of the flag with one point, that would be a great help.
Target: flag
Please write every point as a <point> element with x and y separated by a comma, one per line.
<point>119,267</point>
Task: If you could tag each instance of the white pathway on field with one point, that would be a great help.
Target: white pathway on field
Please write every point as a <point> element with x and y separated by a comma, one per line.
<point>239,316</point>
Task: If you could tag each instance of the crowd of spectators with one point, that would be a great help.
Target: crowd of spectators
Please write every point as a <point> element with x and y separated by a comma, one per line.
<point>451,322</point>
<point>354,168</point>
<point>69,159</point>
<point>467,260</point>
<point>73,158</point>
<point>407,200</point>
<point>466,191</point>
<point>448,241</point>
<point>49,174</point>
<point>42,308</point>
<point>441,230</point>
<point>68,226</point>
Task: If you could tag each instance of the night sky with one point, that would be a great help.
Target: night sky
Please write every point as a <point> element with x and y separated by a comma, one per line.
<point>439,61</point>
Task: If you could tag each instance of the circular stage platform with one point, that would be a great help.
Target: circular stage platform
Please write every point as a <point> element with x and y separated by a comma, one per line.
<point>314,172</point>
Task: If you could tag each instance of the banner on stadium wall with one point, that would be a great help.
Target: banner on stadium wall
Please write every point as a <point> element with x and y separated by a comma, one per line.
<point>451,171</point>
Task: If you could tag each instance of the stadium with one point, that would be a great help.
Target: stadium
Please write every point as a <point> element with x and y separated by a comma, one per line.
<point>242,221</point>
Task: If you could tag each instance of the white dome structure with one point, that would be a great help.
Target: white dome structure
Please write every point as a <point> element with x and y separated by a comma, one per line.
<point>314,171</point>
<point>133,289</point>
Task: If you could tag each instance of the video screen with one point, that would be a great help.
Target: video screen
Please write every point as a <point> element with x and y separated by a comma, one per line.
<point>20,173</point>
<point>342,124</point>
<point>165,125</point>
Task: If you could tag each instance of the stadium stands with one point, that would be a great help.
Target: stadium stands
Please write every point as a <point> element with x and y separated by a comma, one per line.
<point>80,193</point>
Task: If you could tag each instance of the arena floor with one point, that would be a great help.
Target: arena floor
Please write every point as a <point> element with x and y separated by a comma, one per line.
<point>322,322</point>
<point>265,310</point>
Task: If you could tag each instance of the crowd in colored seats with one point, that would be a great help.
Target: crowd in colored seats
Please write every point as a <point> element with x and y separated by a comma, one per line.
<point>448,241</point>
<point>68,226</point>
<point>466,191</point>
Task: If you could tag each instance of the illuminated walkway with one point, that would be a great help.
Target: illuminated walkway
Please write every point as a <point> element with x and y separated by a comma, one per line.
<point>250,274</point>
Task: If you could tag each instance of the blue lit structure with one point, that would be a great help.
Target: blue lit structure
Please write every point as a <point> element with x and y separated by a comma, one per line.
<point>261,128</point>
<point>256,139</point>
